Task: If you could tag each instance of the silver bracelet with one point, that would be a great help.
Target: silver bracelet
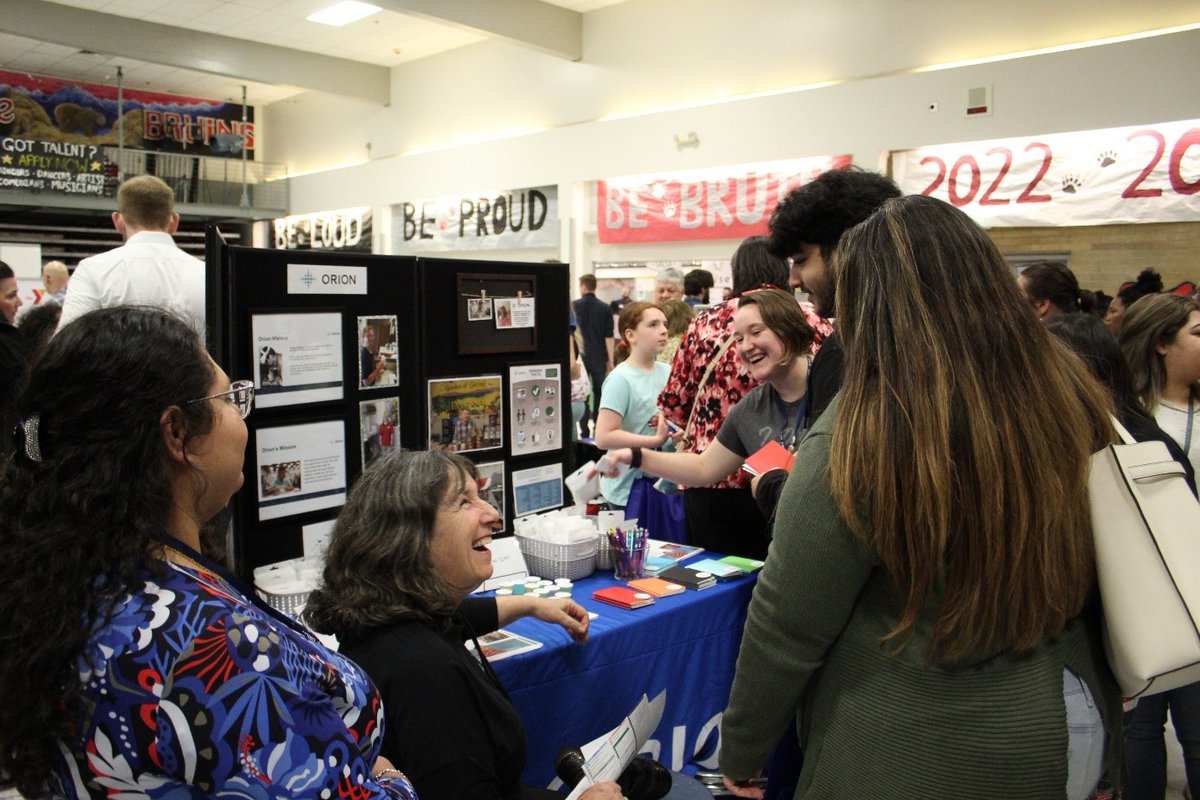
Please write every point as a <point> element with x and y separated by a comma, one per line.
<point>389,772</point>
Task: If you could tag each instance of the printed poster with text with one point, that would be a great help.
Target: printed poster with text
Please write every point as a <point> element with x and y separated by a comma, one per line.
<point>300,468</point>
<point>299,358</point>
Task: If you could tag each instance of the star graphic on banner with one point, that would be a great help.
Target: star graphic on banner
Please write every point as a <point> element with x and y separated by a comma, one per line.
<point>7,159</point>
<point>95,166</point>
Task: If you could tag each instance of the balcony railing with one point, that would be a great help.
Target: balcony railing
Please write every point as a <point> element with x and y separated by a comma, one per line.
<point>206,180</point>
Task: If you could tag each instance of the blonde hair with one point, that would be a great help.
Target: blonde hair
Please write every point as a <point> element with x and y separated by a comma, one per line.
<point>146,202</point>
<point>961,444</point>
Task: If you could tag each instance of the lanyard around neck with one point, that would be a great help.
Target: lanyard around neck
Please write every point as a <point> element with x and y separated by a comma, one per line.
<point>789,443</point>
<point>1187,436</point>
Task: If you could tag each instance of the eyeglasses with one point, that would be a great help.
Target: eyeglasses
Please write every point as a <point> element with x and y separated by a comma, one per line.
<point>241,392</point>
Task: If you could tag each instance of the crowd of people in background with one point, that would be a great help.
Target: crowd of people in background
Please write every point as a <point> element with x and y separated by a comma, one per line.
<point>927,614</point>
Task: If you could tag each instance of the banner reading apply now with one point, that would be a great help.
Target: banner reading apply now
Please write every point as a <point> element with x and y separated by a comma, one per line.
<point>1143,173</point>
<point>724,203</point>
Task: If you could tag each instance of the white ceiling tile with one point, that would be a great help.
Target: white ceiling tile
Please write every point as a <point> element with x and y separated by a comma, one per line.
<point>223,17</point>
<point>48,49</point>
<point>261,5</point>
<point>135,9</point>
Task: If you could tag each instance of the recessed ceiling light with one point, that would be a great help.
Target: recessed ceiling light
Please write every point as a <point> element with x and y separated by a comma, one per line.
<point>343,13</point>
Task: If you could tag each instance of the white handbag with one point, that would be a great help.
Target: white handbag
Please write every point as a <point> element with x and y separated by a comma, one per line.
<point>1146,524</point>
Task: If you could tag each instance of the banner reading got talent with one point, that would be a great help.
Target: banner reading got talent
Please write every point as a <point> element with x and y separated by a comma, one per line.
<point>1143,173</point>
<point>725,203</point>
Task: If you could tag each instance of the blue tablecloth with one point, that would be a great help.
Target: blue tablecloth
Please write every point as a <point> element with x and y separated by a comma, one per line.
<point>570,693</point>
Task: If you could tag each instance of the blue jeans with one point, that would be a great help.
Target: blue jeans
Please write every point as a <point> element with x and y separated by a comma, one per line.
<point>1085,737</point>
<point>1145,749</point>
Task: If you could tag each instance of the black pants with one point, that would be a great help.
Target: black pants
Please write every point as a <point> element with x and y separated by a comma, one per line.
<point>593,409</point>
<point>726,521</point>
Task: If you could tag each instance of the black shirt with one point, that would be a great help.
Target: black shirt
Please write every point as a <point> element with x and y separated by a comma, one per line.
<point>12,373</point>
<point>450,726</point>
<point>594,321</point>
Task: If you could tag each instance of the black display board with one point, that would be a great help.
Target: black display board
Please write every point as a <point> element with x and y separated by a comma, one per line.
<point>296,323</point>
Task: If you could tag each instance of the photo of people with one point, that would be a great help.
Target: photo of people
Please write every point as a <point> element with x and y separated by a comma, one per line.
<point>504,313</point>
<point>270,367</point>
<point>491,485</point>
<point>280,478</point>
<point>377,352</point>
<point>465,413</point>
<point>378,426</point>
<point>479,309</point>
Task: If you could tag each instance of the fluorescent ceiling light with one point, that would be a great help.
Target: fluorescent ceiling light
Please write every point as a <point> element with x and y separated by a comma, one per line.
<point>343,13</point>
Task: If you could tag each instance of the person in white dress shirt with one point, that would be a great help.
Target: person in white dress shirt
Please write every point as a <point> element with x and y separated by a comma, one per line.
<point>149,269</point>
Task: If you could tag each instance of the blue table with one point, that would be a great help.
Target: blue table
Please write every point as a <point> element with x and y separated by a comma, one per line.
<point>570,693</point>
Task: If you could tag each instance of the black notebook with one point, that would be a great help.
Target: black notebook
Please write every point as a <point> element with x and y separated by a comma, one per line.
<point>688,577</point>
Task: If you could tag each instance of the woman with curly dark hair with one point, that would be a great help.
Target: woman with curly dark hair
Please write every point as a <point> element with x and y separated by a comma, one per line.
<point>133,665</point>
<point>1148,282</point>
<point>409,546</point>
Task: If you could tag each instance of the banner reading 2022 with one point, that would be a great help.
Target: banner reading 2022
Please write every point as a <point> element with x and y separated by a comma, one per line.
<point>724,203</point>
<point>1143,173</point>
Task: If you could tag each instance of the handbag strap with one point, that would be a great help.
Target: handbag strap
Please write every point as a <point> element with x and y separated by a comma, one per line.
<point>1125,435</point>
<point>712,365</point>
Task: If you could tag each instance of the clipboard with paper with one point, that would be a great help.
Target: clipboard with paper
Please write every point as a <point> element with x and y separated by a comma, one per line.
<point>606,757</point>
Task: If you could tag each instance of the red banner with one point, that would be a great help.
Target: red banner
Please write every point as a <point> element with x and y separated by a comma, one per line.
<point>725,203</point>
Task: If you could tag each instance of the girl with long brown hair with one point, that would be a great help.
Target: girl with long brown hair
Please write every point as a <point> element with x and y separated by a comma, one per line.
<point>926,606</point>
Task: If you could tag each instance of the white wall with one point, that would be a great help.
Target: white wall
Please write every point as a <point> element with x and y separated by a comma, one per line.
<point>671,54</point>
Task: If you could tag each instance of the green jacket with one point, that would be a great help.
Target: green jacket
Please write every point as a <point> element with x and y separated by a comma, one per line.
<point>878,726</point>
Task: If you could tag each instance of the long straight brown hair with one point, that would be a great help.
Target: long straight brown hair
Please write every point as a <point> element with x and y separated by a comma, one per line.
<point>961,443</point>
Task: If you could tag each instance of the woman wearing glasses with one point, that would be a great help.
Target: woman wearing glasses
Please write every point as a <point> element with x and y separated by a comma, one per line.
<point>133,664</point>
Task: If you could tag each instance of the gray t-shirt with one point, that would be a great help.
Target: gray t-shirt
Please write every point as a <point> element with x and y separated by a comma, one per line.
<point>758,418</point>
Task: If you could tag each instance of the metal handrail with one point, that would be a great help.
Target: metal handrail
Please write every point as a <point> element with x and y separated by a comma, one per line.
<point>206,180</point>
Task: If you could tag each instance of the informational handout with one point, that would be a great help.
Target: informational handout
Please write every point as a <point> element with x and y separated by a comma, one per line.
<point>537,489</point>
<point>502,644</point>
<point>535,408</point>
<point>514,312</point>
<point>298,358</point>
<point>605,758</point>
<point>300,468</point>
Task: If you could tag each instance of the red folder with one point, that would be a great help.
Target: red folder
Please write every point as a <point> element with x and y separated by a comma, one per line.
<point>771,456</point>
<point>622,596</point>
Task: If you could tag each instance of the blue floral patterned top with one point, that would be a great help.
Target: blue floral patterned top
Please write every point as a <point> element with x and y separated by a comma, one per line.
<point>193,689</point>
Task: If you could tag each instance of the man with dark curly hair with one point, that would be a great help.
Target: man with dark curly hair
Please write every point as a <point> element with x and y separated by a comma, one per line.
<point>805,229</point>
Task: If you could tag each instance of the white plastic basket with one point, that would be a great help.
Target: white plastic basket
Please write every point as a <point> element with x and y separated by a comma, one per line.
<point>573,560</point>
<point>290,603</point>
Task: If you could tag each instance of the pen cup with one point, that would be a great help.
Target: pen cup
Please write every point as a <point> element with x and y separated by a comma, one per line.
<point>630,564</point>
